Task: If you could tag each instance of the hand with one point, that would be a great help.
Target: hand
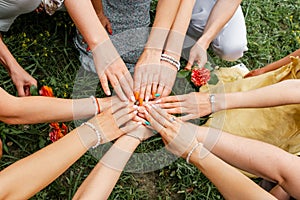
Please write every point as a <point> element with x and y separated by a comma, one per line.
<point>194,104</point>
<point>153,76</point>
<point>255,72</point>
<point>107,102</point>
<point>110,66</point>
<point>105,23</point>
<point>178,136</point>
<point>110,121</point>
<point>141,132</point>
<point>198,54</point>
<point>22,81</point>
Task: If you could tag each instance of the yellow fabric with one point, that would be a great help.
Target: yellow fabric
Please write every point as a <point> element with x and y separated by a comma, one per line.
<point>279,126</point>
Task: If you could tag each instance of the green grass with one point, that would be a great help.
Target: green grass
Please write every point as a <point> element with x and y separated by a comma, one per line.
<point>43,46</point>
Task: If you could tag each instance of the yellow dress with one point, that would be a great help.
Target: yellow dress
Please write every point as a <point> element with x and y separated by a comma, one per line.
<point>279,125</point>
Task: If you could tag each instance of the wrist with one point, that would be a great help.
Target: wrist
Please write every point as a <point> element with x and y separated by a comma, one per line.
<point>127,143</point>
<point>204,42</point>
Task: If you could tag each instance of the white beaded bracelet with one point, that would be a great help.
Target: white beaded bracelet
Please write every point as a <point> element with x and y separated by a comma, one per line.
<point>212,100</point>
<point>99,138</point>
<point>192,150</point>
<point>170,60</point>
<point>96,104</point>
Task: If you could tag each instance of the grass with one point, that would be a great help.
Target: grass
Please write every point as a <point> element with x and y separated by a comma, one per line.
<point>43,46</point>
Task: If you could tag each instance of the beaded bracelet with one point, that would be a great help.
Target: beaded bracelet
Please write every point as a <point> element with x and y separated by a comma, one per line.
<point>134,136</point>
<point>95,102</point>
<point>99,138</point>
<point>192,150</point>
<point>212,100</point>
<point>170,60</point>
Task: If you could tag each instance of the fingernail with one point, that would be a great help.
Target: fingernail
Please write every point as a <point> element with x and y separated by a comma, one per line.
<point>110,32</point>
<point>135,112</point>
<point>132,98</point>
<point>136,95</point>
<point>140,123</point>
<point>158,101</point>
<point>157,95</point>
<point>108,93</point>
<point>147,99</point>
<point>140,101</point>
<point>135,107</point>
<point>147,123</point>
<point>154,105</point>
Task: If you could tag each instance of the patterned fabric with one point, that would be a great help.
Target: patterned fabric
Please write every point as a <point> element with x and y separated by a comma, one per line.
<point>130,20</point>
<point>51,6</point>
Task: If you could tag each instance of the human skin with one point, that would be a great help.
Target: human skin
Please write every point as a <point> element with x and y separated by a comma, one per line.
<point>215,158</point>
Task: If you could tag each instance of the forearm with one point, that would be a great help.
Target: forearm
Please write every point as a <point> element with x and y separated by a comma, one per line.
<point>177,33</point>
<point>219,16</point>
<point>284,61</point>
<point>230,182</point>
<point>101,181</point>
<point>42,167</point>
<point>85,18</point>
<point>6,58</point>
<point>282,93</point>
<point>35,109</point>
<point>164,18</point>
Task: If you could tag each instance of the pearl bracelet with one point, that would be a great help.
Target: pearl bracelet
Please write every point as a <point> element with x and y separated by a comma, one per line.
<point>212,100</point>
<point>192,150</point>
<point>99,138</point>
<point>96,103</point>
<point>171,60</point>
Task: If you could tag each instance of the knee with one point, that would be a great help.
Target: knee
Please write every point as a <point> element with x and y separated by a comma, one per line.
<point>230,52</point>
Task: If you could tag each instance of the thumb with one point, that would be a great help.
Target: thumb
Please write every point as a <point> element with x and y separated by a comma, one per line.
<point>190,62</point>
<point>20,90</point>
<point>109,29</point>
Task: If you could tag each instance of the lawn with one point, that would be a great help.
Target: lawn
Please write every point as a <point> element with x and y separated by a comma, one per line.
<point>43,45</point>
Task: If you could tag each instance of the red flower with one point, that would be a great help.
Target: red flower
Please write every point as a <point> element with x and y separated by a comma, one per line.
<point>46,91</point>
<point>200,76</point>
<point>57,132</point>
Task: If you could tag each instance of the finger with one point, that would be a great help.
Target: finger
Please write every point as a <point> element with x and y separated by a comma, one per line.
<point>148,89</point>
<point>159,115</point>
<point>142,91</point>
<point>117,106</point>
<point>104,84</point>
<point>109,28</point>
<point>27,90</point>
<point>126,117</point>
<point>175,110</point>
<point>117,87</point>
<point>160,88</point>
<point>190,62</point>
<point>154,88</point>
<point>129,80</point>
<point>137,84</point>
<point>166,92</point>
<point>130,127</point>
<point>187,117</point>
<point>156,125</point>
<point>20,90</point>
<point>177,98</point>
<point>127,89</point>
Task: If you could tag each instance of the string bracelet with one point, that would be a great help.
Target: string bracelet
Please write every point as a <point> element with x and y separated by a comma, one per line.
<point>190,153</point>
<point>134,136</point>
<point>98,105</point>
<point>95,102</point>
<point>99,138</point>
<point>171,60</point>
<point>212,100</point>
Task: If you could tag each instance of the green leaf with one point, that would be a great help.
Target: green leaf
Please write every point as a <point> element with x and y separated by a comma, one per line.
<point>208,66</point>
<point>213,79</point>
<point>34,90</point>
<point>183,73</point>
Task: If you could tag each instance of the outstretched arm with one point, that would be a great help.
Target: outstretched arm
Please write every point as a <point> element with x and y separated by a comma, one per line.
<point>19,76</point>
<point>44,166</point>
<point>101,181</point>
<point>183,139</point>
<point>30,110</point>
<point>198,104</point>
<point>109,65</point>
<point>274,65</point>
